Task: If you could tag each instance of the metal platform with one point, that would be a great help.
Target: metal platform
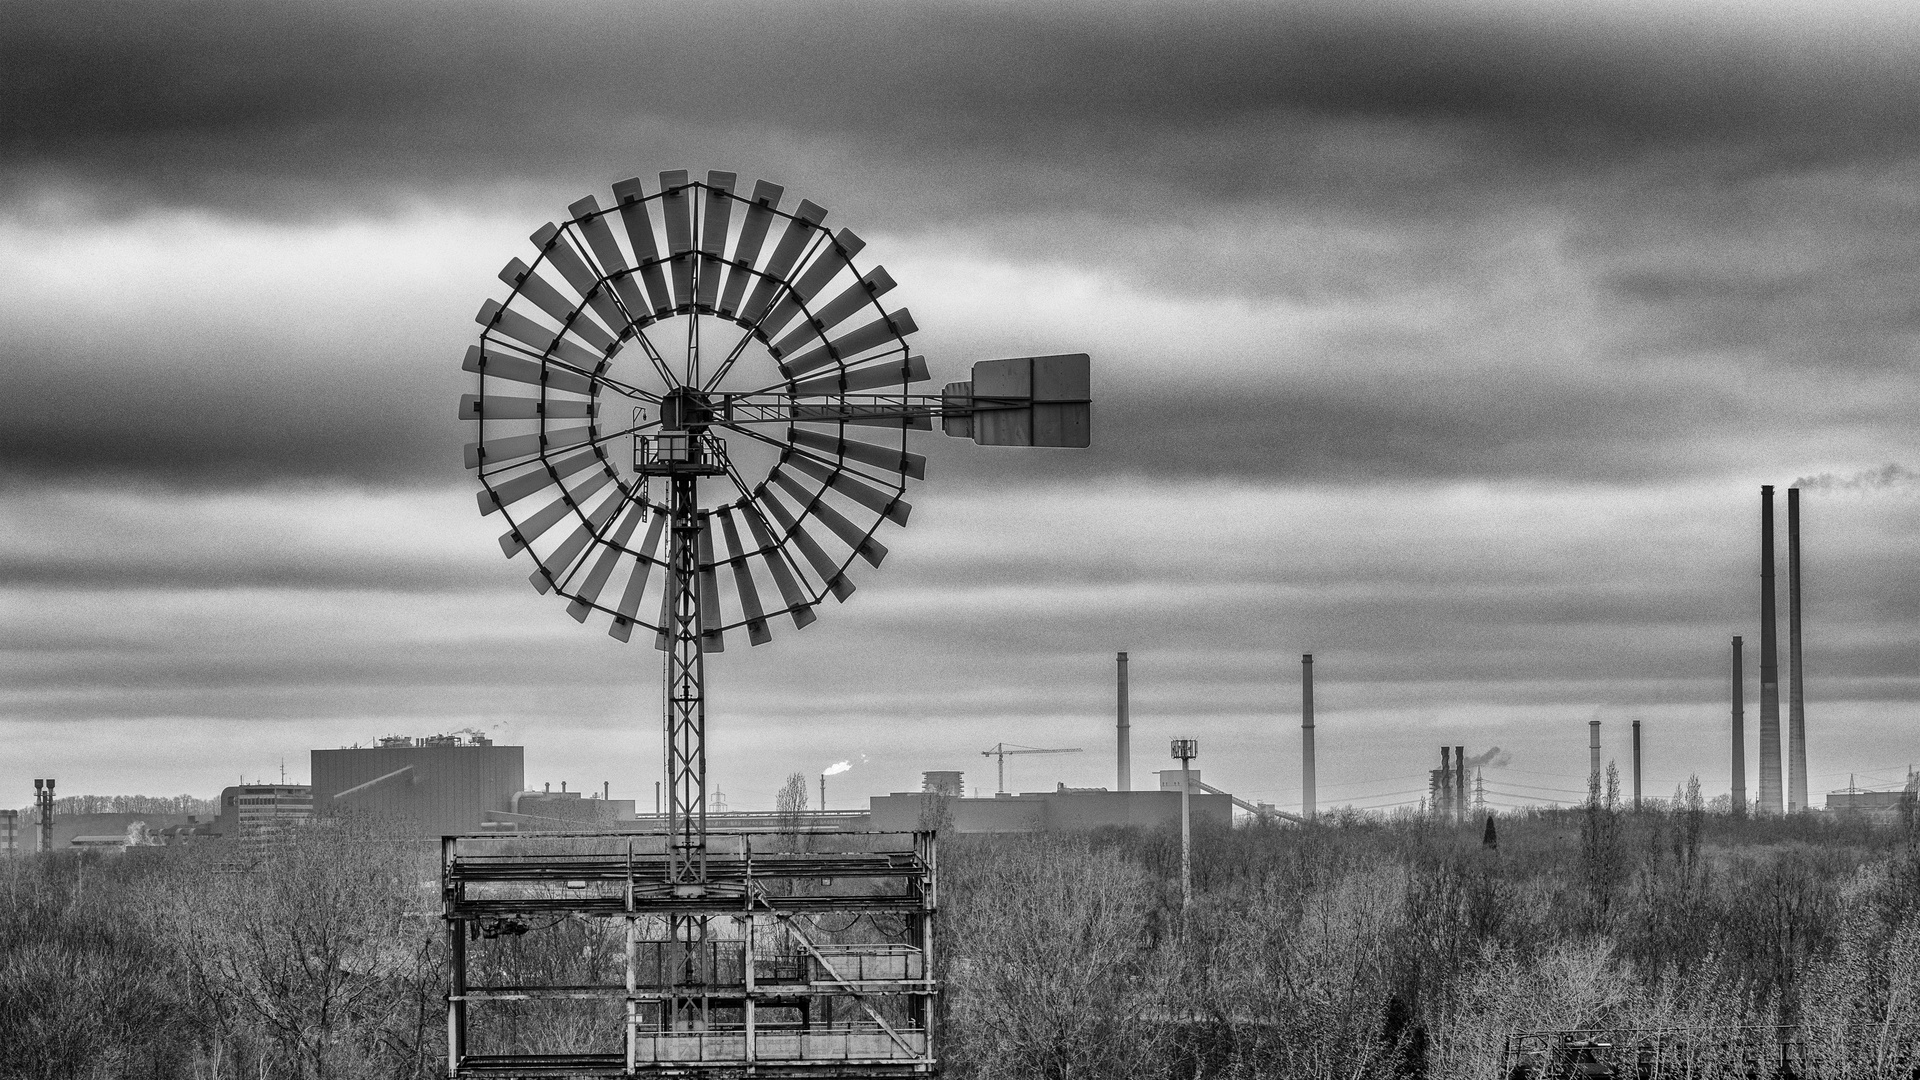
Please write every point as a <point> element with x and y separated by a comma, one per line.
<point>811,955</point>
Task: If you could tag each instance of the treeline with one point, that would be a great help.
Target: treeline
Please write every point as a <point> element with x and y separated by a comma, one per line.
<point>1361,949</point>
<point>1355,948</point>
<point>129,804</point>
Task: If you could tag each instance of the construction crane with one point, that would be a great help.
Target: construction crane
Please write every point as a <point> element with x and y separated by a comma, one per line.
<point>1002,750</point>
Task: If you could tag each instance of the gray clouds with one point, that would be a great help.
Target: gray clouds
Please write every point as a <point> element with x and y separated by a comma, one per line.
<point>1447,341</point>
<point>233,103</point>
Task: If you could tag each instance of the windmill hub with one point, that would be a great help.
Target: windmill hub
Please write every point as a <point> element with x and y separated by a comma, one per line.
<point>686,409</point>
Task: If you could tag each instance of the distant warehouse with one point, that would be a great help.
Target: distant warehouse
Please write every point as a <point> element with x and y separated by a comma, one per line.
<point>434,786</point>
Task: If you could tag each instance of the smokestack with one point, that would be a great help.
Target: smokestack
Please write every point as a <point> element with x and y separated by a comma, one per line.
<point>1459,783</point>
<point>1769,667</point>
<point>1636,764</point>
<point>1739,733</point>
<point>823,789</point>
<point>1443,803</point>
<point>1124,732</point>
<point>1307,803</point>
<point>1796,696</point>
<point>1593,765</point>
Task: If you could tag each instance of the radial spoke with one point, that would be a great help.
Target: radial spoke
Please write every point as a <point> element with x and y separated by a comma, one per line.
<point>659,363</point>
<point>733,356</point>
<point>843,464</point>
<point>630,390</point>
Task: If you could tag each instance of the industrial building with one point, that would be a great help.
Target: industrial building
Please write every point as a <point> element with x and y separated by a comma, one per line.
<point>438,785</point>
<point>9,832</point>
<point>549,810</point>
<point>254,811</point>
<point>1063,809</point>
<point>1876,805</point>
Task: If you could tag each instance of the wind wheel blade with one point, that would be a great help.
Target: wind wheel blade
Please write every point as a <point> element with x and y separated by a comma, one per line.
<point>753,233</point>
<point>548,572</point>
<point>711,638</point>
<point>861,294</point>
<point>560,309</point>
<point>663,640</point>
<point>562,256</point>
<point>476,406</point>
<point>593,225</point>
<point>886,330</point>
<point>880,457</point>
<point>503,320</point>
<point>825,267</point>
<point>713,239</point>
<point>512,491</point>
<point>515,540</point>
<point>502,451</point>
<point>823,565</point>
<point>750,609</point>
<point>796,598</point>
<point>793,243</point>
<point>676,210</point>
<point>623,617</point>
<point>646,250</point>
<point>588,591</point>
<point>885,503</point>
<point>850,534</point>
<point>892,372</point>
<point>519,369</point>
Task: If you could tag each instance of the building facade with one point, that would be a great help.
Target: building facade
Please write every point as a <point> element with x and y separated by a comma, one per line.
<point>440,785</point>
<point>254,811</point>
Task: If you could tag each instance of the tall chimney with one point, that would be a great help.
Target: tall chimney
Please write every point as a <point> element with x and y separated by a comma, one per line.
<point>1636,764</point>
<point>1593,754</point>
<point>1460,783</point>
<point>1769,667</point>
<point>1796,696</point>
<point>1444,803</point>
<point>1307,803</point>
<point>1124,732</point>
<point>1739,733</point>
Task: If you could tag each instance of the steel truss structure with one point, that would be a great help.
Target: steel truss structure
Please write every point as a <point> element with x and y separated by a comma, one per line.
<point>812,956</point>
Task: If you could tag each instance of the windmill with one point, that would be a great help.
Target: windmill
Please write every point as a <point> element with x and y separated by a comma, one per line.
<point>692,383</point>
<point>1003,750</point>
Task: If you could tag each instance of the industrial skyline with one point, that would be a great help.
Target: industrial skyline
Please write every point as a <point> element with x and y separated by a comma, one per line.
<point>1447,344</point>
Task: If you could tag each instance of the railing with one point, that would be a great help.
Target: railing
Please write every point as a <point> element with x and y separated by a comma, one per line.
<point>852,1045</point>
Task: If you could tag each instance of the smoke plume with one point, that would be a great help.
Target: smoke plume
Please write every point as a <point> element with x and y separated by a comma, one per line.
<point>1493,758</point>
<point>1880,479</point>
<point>836,769</point>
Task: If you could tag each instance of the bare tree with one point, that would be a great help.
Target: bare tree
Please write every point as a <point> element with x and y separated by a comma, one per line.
<point>791,802</point>
<point>321,955</point>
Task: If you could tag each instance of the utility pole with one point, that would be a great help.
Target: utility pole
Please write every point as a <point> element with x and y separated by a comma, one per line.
<point>1186,750</point>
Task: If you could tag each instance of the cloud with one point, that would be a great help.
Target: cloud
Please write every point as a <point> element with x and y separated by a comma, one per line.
<point>1492,758</point>
<point>1887,477</point>
<point>290,108</point>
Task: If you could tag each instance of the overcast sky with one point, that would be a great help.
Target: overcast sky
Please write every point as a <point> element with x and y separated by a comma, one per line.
<point>1450,342</point>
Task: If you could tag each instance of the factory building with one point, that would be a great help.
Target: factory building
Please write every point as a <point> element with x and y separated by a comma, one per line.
<point>438,785</point>
<point>255,811</point>
<point>1063,809</point>
<point>1876,805</point>
<point>534,811</point>
<point>9,832</point>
